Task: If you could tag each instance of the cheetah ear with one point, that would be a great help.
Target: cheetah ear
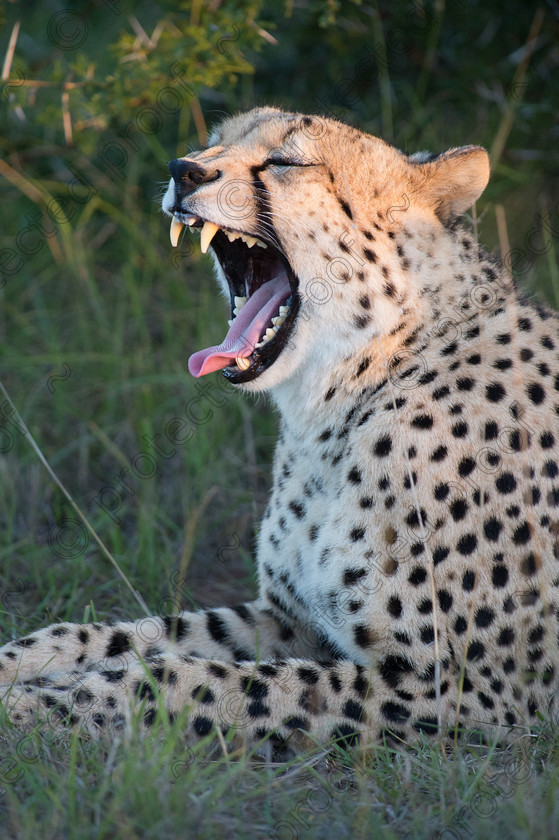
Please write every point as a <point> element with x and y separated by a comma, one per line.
<point>454,181</point>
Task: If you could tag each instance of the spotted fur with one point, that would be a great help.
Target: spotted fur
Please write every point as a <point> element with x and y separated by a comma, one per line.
<point>408,556</point>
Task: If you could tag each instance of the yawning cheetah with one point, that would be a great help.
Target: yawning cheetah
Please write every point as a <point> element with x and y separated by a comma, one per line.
<point>408,557</point>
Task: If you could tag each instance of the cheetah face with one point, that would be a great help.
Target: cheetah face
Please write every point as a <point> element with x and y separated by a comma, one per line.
<point>289,206</point>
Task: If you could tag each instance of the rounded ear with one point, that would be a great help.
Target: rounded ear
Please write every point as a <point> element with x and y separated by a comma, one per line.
<point>454,181</point>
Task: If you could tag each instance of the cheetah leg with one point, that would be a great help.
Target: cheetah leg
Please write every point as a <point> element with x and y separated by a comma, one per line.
<point>246,632</point>
<point>298,700</point>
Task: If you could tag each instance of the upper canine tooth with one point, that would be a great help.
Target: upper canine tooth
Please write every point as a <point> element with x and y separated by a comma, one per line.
<point>209,230</point>
<point>176,228</point>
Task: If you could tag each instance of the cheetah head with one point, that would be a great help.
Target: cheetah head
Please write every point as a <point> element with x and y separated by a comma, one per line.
<point>297,212</point>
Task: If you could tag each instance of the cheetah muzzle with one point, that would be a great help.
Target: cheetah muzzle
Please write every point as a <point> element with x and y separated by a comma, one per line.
<point>408,559</point>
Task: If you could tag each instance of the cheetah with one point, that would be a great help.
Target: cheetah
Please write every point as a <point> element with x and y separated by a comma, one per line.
<point>408,557</point>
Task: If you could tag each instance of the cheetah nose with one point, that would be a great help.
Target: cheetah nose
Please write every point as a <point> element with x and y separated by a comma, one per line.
<point>187,174</point>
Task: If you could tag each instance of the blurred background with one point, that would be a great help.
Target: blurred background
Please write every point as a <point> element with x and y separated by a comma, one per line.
<point>98,314</point>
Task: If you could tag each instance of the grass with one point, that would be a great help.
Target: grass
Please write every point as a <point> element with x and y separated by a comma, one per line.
<point>95,328</point>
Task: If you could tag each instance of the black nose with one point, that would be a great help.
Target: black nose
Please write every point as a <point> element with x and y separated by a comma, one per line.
<point>187,174</point>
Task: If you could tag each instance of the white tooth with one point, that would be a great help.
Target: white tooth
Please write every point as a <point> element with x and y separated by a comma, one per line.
<point>242,364</point>
<point>190,220</point>
<point>269,334</point>
<point>283,310</point>
<point>250,240</point>
<point>231,236</point>
<point>231,322</point>
<point>176,228</point>
<point>259,344</point>
<point>209,230</point>
<point>239,301</point>
<point>277,322</point>
<point>262,244</point>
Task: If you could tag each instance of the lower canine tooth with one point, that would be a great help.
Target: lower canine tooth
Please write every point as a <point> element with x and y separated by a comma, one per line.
<point>242,364</point>
<point>176,228</point>
<point>209,230</point>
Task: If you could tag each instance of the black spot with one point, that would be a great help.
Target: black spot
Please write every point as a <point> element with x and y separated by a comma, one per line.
<point>439,454</point>
<point>329,394</point>
<point>345,735</point>
<point>393,668</point>
<point>83,636</point>
<point>476,651</point>
<point>535,393</point>
<point>460,625</point>
<point>308,675</point>
<point>440,393</point>
<point>427,634</point>
<point>417,576</point>
<point>383,446</point>
<point>362,636</point>
<point>217,670</point>
<point>298,509</point>
<point>394,607</point>
<point>351,576</point>
<point>529,565</point>
<point>295,722</point>
<point>504,338</point>
<point>468,581</point>
<point>356,534</point>
<point>354,475</point>
<point>361,321</point>
<point>335,682</point>
<point>484,617</point>
<point>550,469</point>
<point>369,255</point>
<point>202,725</point>
<point>216,627</point>
<point>441,491</point>
<point>522,534</point>
<point>458,509</point>
<point>505,637</point>
<point>440,554</point>
<point>459,430</point>
<point>466,466</point>
<point>395,712</point>
<point>467,544</point>
<point>118,644</point>
<point>465,383</point>
<point>352,710</point>
<point>492,529</point>
<point>506,483</point>
<point>491,430</point>
<point>499,576</point>
<point>422,421</point>
<point>547,441</point>
<point>345,207</point>
<point>445,600</point>
<point>175,627</point>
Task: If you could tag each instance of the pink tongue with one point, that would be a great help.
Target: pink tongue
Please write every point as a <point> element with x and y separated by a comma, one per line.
<point>246,330</point>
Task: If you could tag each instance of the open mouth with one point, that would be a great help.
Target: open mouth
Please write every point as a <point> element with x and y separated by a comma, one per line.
<point>264,301</point>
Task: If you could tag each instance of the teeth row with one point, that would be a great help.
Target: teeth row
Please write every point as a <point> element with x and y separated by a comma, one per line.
<point>207,233</point>
<point>243,363</point>
<point>247,239</point>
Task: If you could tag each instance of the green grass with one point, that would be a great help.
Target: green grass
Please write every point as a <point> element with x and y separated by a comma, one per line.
<point>105,313</point>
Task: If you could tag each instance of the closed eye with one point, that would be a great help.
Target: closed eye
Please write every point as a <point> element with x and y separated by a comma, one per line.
<point>285,162</point>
